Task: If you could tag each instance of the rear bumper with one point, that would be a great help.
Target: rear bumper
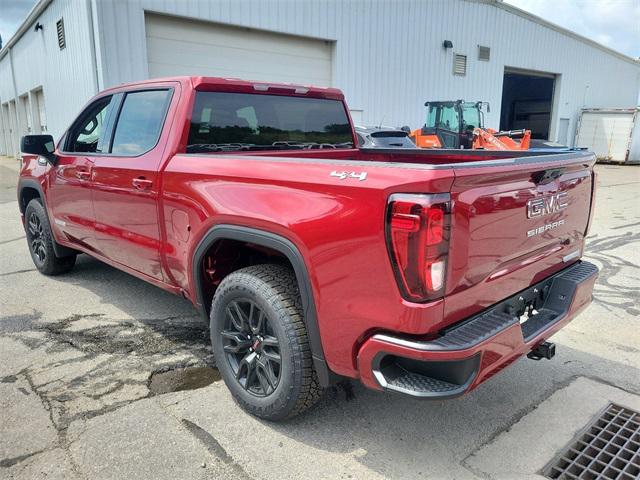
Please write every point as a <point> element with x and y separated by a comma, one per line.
<point>472,351</point>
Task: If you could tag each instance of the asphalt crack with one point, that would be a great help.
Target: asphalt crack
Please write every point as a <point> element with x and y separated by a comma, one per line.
<point>17,272</point>
<point>4,242</point>
<point>214,447</point>
<point>10,462</point>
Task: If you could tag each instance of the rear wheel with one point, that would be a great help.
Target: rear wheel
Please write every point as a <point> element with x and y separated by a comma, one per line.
<point>260,342</point>
<point>40,240</point>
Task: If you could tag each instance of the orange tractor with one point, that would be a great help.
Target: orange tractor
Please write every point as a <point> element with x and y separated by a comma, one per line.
<point>460,124</point>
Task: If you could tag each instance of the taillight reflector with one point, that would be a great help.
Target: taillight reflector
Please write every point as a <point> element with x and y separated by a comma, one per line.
<point>417,228</point>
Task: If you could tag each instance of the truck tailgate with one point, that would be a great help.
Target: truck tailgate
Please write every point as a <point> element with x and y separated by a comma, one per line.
<point>514,223</point>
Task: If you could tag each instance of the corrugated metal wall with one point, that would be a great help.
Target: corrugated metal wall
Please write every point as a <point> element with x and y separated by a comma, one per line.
<point>388,55</point>
<point>67,76</point>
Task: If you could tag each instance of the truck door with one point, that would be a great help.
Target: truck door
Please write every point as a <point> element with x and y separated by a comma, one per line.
<point>126,182</point>
<point>70,189</point>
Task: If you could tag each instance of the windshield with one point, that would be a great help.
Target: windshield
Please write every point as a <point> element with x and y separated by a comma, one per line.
<point>470,116</point>
<point>442,116</point>
<point>224,121</point>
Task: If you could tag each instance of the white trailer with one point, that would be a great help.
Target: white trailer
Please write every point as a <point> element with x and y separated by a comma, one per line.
<point>613,134</point>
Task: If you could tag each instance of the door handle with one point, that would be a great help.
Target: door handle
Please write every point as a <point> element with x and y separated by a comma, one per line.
<point>142,183</point>
<point>83,174</point>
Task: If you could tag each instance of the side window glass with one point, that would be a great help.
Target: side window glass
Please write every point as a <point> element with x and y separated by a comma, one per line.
<point>470,116</point>
<point>85,135</point>
<point>431,117</point>
<point>449,119</point>
<point>140,122</point>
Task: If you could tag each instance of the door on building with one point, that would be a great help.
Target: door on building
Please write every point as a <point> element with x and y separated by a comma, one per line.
<point>527,102</point>
<point>180,46</point>
<point>38,110</point>
<point>13,129</point>
<point>125,181</point>
<point>563,131</point>
<point>6,129</point>
<point>24,116</point>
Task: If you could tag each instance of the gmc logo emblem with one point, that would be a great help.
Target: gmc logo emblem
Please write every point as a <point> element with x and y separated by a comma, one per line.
<point>539,207</point>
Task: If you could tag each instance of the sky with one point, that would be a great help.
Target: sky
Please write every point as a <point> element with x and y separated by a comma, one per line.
<point>12,13</point>
<point>614,23</point>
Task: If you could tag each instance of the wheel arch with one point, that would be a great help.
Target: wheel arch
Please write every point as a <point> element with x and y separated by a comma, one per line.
<point>29,189</point>
<point>292,254</point>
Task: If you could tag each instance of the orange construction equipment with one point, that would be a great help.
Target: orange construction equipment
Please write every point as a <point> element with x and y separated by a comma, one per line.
<point>460,124</point>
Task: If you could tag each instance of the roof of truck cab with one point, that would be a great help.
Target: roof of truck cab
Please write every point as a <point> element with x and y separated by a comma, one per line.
<point>237,85</point>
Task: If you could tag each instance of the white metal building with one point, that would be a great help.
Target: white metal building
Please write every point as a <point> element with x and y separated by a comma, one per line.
<point>387,56</point>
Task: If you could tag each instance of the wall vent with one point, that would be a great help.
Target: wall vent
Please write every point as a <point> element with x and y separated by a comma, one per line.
<point>459,64</point>
<point>62,43</point>
<point>484,53</point>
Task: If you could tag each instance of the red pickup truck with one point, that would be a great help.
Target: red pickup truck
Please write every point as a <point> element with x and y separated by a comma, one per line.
<point>423,272</point>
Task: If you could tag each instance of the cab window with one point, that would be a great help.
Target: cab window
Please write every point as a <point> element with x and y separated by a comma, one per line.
<point>86,133</point>
<point>470,116</point>
<point>139,122</point>
<point>443,116</point>
<point>448,118</point>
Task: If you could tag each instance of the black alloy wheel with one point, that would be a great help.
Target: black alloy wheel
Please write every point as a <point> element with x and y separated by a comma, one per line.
<point>41,242</point>
<point>251,348</point>
<point>35,236</point>
<point>260,342</point>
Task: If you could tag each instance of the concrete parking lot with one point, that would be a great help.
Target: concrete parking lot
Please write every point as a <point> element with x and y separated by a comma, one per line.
<point>90,363</point>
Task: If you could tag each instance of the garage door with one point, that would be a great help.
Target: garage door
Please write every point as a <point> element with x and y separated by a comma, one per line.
<point>178,46</point>
<point>606,134</point>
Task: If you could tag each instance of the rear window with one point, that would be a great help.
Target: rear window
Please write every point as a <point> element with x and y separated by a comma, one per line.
<point>224,121</point>
<point>392,139</point>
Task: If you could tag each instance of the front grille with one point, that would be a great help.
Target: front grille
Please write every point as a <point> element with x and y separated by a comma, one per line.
<point>608,448</point>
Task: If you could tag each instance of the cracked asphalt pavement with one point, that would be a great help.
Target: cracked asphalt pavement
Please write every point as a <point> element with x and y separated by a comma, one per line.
<point>104,376</point>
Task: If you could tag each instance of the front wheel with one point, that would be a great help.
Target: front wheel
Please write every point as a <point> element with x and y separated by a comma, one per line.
<point>40,239</point>
<point>260,342</point>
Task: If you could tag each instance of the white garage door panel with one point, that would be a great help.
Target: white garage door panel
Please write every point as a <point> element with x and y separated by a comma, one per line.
<point>216,61</point>
<point>177,46</point>
<point>606,134</point>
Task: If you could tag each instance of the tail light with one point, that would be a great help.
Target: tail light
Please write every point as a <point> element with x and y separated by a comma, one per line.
<point>418,228</point>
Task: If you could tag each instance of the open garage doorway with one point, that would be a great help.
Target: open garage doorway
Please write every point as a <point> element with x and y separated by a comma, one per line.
<point>527,101</point>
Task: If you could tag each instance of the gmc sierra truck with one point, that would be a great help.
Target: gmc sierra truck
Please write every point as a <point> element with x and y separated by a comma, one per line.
<point>421,272</point>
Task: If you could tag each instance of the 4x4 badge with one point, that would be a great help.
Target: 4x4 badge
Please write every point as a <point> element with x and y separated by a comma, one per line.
<point>343,175</point>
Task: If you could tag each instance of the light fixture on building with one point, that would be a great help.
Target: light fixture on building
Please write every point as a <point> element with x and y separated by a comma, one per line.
<point>447,44</point>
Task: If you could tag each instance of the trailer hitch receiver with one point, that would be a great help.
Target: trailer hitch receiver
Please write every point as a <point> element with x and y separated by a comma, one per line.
<point>543,350</point>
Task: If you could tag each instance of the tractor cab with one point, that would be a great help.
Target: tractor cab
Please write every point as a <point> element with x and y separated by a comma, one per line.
<point>450,124</point>
<point>460,124</point>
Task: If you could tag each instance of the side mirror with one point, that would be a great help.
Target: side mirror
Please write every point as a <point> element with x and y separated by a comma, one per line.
<point>41,145</point>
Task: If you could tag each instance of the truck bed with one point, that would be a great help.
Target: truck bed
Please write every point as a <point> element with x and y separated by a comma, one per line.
<point>305,196</point>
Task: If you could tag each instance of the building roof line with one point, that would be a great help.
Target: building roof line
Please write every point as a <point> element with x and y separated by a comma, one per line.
<point>33,15</point>
<point>501,4</point>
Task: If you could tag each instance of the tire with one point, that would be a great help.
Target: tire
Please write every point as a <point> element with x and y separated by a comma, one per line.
<point>246,358</point>
<point>40,241</point>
